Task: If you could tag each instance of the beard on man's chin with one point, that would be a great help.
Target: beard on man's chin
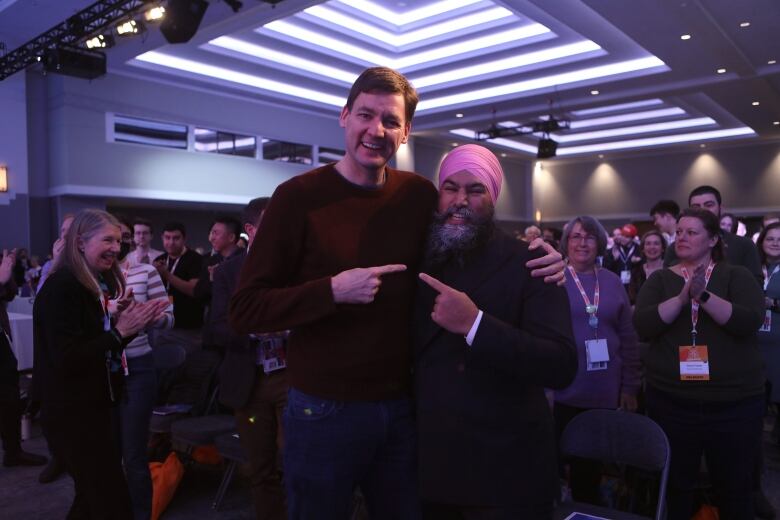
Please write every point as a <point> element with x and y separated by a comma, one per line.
<point>448,242</point>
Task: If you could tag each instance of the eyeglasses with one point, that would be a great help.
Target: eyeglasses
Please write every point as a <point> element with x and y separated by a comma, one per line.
<point>589,239</point>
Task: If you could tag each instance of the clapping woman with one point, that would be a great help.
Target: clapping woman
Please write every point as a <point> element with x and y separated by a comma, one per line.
<point>79,362</point>
<point>705,382</point>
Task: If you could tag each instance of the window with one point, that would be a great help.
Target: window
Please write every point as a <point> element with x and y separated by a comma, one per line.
<point>330,155</point>
<point>217,141</point>
<point>287,152</point>
<point>146,131</point>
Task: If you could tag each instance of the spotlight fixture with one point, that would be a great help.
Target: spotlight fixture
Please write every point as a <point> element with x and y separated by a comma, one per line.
<point>503,154</point>
<point>547,148</point>
<point>594,92</point>
<point>685,37</point>
<point>771,62</point>
<point>101,41</point>
<point>721,71</point>
<point>755,103</point>
<point>129,28</point>
<point>154,14</point>
<point>776,123</point>
<point>74,61</point>
<point>744,24</point>
<point>454,144</point>
<point>458,115</point>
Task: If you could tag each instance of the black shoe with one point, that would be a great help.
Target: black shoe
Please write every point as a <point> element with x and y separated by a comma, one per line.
<point>23,458</point>
<point>762,508</point>
<point>51,472</point>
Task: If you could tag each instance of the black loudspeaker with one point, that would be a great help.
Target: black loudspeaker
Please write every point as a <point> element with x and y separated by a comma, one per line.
<point>72,61</point>
<point>182,18</point>
<point>547,149</point>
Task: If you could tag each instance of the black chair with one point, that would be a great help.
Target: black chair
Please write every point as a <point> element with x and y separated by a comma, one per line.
<point>616,437</point>
<point>229,446</point>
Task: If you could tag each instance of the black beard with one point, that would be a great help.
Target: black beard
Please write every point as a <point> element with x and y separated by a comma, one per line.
<point>453,243</point>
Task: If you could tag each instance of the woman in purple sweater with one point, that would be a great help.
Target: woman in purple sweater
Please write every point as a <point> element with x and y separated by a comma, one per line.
<point>607,345</point>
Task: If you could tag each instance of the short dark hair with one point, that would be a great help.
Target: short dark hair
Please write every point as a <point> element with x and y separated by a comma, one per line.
<point>665,206</point>
<point>142,222</point>
<point>231,223</point>
<point>592,226</point>
<point>386,81</point>
<point>711,224</point>
<point>252,211</point>
<point>762,237</point>
<point>175,226</point>
<point>703,190</point>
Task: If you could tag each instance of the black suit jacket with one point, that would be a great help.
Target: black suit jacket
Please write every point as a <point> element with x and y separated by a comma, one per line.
<point>238,370</point>
<point>486,432</point>
<point>70,346</point>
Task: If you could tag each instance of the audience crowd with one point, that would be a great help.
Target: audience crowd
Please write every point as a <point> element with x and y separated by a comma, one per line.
<point>357,286</point>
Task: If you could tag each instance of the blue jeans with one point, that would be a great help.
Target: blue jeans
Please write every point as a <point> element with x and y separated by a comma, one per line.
<point>134,415</point>
<point>332,447</point>
<point>726,433</point>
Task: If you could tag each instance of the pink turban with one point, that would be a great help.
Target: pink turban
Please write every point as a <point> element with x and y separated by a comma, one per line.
<point>477,160</point>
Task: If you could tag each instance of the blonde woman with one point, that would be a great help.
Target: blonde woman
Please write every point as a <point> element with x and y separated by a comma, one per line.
<point>79,361</point>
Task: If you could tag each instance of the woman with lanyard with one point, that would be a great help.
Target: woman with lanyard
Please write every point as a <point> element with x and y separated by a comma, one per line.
<point>769,334</point>
<point>607,347</point>
<point>135,409</point>
<point>79,362</point>
<point>703,367</point>
<point>653,249</point>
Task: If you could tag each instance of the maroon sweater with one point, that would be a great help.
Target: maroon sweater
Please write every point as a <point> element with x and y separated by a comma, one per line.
<point>317,225</point>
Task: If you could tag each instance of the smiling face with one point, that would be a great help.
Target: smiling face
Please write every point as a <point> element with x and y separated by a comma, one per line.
<point>582,248</point>
<point>693,242</point>
<point>771,245</point>
<point>374,129</point>
<point>101,249</point>
<point>653,247</point>
<point>465,199</point>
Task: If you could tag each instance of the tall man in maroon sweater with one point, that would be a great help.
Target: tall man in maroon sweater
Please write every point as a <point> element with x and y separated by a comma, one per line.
<point>335,262</point>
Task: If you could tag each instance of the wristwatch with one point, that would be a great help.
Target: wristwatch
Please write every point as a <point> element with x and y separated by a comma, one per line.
<point>704,297</point>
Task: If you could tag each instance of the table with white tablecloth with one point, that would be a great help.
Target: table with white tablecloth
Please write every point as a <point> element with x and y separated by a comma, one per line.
<point>21,305</point>
<point>22,334</point>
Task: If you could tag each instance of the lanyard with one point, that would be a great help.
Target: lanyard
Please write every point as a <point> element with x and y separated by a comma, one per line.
<point>172,270</point>
<point>768,276</point>
<point>593,308</point>
<point>625,257</point>
<point>694,303</point>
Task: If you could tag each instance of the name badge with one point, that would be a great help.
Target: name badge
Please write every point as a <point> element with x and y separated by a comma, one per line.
<point>597,354</point>
<point>767,326</point>
<point>694,363</point>
<point>272,354</point>
<point>625,277</point>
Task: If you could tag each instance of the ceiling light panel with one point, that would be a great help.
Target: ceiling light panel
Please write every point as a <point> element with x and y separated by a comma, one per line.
<point>634,130</point>
<point>415,15</point>
<point>657,141</point>
<point>617,108</point>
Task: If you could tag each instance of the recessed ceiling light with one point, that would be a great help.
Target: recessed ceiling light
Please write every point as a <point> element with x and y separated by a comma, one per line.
<point>601,156</point>
<point>755,103</point>
<point>685,37</point>
<point>503,155</point>
<point>744,24</point>
<point>458,115</point>
<point>771,62</point>
<point>721,71</point>
<point>776,123</point>
<point>594,92</point>
<point>454,144</point>
<point>702,145</point>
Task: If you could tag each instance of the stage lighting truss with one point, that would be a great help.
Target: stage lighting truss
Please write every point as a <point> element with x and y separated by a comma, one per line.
<point>86,25</point>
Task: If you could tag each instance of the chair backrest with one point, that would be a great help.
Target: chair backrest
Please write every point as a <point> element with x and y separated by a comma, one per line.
<point>620,437</point>
<point>195,380</point>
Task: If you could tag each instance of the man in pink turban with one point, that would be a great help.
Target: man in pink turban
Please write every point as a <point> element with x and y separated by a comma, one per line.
<point>489,338</point>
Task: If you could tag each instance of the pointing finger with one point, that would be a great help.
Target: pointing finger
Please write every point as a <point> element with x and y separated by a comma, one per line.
<point>434,283</point>
<point>387,269</point>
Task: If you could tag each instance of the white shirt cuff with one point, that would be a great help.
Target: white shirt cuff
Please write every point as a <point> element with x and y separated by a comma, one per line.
<point>473,329</point>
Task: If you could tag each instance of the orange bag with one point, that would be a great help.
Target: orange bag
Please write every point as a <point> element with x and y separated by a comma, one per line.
<point>206,454</point>
<point>706,512</point>
<point>165,479</point>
